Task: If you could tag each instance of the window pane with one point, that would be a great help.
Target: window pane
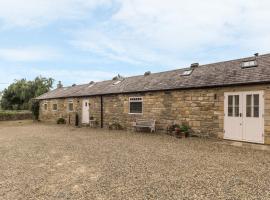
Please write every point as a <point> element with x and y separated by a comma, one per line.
<point>135,107</point>
<point>230,101</point>
<point>70,106</point>
<point>249,106</point>
<point>45,106</point>
<point>236,105</point>
<point>256,100</point>
<point>54,106</point>
<point>256,112</point>
<point>230,106</point>
<point>256,104</point>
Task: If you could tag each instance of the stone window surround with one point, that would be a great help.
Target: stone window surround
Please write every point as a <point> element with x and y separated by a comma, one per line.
<point>45,103</point>
<point>130,100</point>
<point>70,101</point>
<point>55,103</point>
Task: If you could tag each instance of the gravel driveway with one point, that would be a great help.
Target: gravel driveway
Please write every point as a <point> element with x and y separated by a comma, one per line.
<point>41,161</point>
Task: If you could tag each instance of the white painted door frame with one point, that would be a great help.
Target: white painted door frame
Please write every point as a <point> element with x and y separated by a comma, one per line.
<point>244,120</point>
<point>85,111</point>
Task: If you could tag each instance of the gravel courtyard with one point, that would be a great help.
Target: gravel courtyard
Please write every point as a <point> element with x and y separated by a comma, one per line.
<point>41,161</point>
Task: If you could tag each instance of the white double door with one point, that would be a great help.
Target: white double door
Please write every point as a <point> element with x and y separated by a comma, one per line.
<point>244,116</point>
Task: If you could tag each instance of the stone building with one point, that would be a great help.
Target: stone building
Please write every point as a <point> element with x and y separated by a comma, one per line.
<point>229,100</point>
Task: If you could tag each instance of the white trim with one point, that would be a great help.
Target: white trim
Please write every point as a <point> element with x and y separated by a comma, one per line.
<point>135,99</point>
<point>243,95</point>
<point>85,113</point>
<point>70,101</point>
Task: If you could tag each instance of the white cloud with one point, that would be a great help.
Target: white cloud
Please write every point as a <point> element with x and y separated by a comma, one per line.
<point>155,32</point>
<point>32,13</point>
<point>67,76</point>
<point>28,54</point>
<point>166,32</point>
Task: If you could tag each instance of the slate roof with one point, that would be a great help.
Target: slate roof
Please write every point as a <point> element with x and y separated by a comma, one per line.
<point>211,75</point>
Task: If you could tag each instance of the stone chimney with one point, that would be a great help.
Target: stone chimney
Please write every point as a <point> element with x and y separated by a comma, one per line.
<point>194,65</point>
<point>59,85</point>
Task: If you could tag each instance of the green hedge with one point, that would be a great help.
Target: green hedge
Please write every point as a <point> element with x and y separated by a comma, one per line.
<point>6,115</point>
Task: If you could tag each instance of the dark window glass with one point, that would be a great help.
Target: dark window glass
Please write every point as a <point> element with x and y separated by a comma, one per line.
<point>135,107</point>
<point>70,106</point>
<point>230,106</point>
<point>45,106</point>
<point>249,106</point>
<point>236,105</point>
<point>54,106</point>
<point>256,105</point>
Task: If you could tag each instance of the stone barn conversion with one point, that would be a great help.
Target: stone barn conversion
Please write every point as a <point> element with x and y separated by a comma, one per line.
<point>229,100</point>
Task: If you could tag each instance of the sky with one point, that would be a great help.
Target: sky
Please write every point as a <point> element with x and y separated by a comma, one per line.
<point>78,41</point>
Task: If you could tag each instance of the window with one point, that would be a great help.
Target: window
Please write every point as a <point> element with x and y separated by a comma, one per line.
<point>253,105</point>
<point>55,107</point>
<point>117,82</point>
<point>233,106</point>
<point>136,105</point>
<point>45,106</point>
<point>70,106</point>
<point>187,72</point>
<point>247,64</point>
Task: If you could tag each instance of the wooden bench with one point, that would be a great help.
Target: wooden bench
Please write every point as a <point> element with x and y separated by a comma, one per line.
<point>143,123</point>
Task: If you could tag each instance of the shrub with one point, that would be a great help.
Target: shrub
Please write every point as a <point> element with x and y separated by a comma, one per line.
<point>115,126</point>
<point>184,128</point>
<point>61,121</point>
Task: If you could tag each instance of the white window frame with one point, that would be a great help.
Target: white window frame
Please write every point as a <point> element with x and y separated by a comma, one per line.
<point>187,72</point>
<point>249,63</point>
<point>135,99</point>
<point>56,105</point>
<point>69,102</point>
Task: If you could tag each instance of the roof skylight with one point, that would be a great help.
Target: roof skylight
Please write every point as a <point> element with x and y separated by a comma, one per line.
<point>187,72</point>
<point>250,63</point>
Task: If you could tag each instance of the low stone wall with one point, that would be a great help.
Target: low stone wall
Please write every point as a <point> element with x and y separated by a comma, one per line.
<point>10,116</point>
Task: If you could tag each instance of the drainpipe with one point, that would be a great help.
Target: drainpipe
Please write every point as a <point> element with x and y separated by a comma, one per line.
<point>101,111</point>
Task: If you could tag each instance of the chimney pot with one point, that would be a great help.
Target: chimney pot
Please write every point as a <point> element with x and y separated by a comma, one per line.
<point>194,65</point>
<point>147,73</point>
<point>59,85</point>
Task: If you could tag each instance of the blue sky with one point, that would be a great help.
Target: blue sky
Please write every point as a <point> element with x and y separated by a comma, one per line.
<point>77,41</point>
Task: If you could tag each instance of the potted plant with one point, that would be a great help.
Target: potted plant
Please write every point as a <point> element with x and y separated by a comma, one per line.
<point>177,130</point>
<point>184,129</point>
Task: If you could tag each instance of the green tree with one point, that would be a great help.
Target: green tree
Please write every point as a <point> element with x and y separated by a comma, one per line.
<point>19,94</point>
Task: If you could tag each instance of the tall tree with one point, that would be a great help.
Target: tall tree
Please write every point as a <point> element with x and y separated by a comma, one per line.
<point>18,95</point>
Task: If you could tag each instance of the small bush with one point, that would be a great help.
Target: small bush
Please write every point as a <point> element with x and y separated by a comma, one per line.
<point>115,126</point>
<point>61,121</point>
<point>184,129</point>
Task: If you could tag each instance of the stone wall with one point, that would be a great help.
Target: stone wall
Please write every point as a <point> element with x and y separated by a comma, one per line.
<point>62,112</point>
<point>13,115</point>
<point>201,109</point>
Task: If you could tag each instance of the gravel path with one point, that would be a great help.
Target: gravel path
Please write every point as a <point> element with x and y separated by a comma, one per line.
<point>39,161</point>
